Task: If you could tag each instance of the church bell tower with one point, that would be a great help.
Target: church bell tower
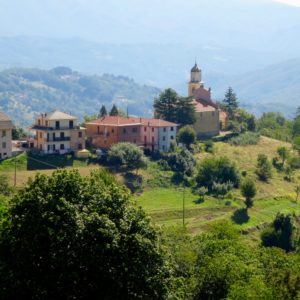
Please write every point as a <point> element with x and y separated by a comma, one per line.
<point>196,80</point>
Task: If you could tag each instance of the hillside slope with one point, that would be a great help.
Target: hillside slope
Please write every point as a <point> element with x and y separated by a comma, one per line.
<point>25,92</point>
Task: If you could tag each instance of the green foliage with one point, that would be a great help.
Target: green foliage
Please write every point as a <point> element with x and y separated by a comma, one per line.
<point>248,190</point>
<point>274,125</point>
<point>263,168</point>
<point>186,135</point>
<point>294,162</point>
<point>296,127</point>
<point>217,170</point>
<point>18,133</point>
<point>73,237</point>
<point>221,189</point>
<point>209,146</point>
<point>182,162</point>
<point>296,143</point>
<point>230,103</point>
<point>282,233</point>
<point>171,107</point>
<point>247,138</point>
<point>102,112</point>
<point>127,155</point>
<point>5,189</point>
<point>114,111</point>
<point>283,153</point>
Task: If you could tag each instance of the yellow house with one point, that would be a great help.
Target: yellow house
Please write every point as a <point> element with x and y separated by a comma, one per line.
<point>207,112</point>
<point>58,132</point>
<point>6,127</point>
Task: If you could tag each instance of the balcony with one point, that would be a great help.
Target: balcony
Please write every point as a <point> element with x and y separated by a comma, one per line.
<point>59,139</point>
<point>37,127</point>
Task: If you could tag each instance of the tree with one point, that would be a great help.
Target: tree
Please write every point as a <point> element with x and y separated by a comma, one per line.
<point>217,170</point>
<point>173,108</point>
<point>73,237</point>
<point>296,127</point>
<point>297,191</point>
<point>182,162</point>
<point>185,111</point>
<point>296,143</point>
<point>18,133</point>
<point>230,103</point>
<point>114,111</point>
<point>103,112</point>
<point>248,190</point>
<point>165,105</point>
<point>127,155</point>
<point>282,233</point>
<point>187,136</point>
<point>263,168</point>
<point>297,113</point>
<point>283,152</point>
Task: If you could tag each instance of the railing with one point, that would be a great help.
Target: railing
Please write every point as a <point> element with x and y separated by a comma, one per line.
<point>37,127</point>
<point>59,139</point>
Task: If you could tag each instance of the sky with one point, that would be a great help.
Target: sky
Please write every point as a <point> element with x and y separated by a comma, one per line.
<point>290,2</point>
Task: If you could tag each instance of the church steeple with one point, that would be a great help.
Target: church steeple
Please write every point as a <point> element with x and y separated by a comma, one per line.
<point>196,80</point>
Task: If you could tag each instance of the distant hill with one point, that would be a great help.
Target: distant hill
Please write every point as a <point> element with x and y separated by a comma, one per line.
<point>26,92</point>
<point>273,88</point>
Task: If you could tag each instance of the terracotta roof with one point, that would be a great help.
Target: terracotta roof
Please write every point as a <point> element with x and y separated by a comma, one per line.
<point>203,96</point>
<point>202,107</point>
<point>4,117</point>
<point>58,115</point>
<point>130,121</point>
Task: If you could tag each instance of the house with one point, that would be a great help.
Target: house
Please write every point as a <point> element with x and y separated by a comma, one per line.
<point>151,134</point>
<point>207,112</point>
<point>6,127</point>
<point>58,132</point>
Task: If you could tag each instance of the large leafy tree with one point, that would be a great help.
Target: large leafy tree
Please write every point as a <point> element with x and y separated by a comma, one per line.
<point>127,155</point>
<point>171,107</point>
<point>187,136</point>
<point>230,103</point>
<point>73,237</point>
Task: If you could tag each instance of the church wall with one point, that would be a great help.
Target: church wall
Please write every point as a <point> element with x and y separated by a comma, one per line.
<point>207,124</point>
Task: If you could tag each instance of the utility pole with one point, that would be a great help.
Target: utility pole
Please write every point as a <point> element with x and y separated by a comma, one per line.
<point>15,178</point>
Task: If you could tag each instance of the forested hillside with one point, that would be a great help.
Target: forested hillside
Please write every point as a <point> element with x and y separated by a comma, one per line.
<point>25,92</point>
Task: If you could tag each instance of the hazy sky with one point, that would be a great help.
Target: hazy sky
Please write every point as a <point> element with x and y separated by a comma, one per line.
<point>290,2</point>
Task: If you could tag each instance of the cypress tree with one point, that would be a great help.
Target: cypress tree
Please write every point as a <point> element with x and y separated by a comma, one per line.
<point>230,103</point>
<point>114,111</point>
<point>103,112</point>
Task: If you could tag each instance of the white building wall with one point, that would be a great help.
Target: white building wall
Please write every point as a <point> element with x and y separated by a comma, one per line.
<point>165,136</point>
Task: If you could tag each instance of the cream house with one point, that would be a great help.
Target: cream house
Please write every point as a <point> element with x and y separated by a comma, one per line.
<point>58,132</point>
<point>6,127</point>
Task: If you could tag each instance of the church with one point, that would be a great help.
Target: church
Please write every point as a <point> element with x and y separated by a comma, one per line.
<point>208,115</point>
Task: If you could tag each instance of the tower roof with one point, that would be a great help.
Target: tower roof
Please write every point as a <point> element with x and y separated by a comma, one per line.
<point>195,68</point>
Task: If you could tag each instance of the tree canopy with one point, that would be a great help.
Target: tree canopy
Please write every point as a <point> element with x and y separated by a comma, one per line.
<point>73,237</point>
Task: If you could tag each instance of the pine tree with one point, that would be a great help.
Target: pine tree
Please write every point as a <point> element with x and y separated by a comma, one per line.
<point>297,113</point>
<point>114,111</point>
<point>230,103</point>
<point>103,112</point>
<point>165,105</point>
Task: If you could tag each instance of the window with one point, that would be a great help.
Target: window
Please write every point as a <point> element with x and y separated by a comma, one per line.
<point>152,129</point>
<point>163,147</point>
<point>124,130</point>
<point>145,129</point>
<point>48,147</point>
<point>98,129</point>
<point>79,146</point>
<point>41,135</point>
<point>71,124</point>
<point>62,146</point>
<point>172,128</point>
<point>53,147</point>
<point>3,145</point>
<point>165,129</point>
<point>112,131</point>
<point>145,139</point>
<point>46,123</point>
<point>172,137</point>
<point>3,133</point>
<point>62,135</point>
<point>134,129</point>
<point>57,124</point>
<point>79,134</point>
<point>152,139</point>
<point>164,138</point>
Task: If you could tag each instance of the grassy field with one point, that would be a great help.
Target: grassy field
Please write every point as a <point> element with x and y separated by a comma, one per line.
<point>165,205</point>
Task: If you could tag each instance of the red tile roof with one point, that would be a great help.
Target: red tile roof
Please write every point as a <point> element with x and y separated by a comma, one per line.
<point>201,107</point>
<point>203,96</point>
<point>123,121</point>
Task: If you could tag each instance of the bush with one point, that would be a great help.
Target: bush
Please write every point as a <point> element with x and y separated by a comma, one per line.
<point>248,190</point>
<point>209,146</point>
<point>294,162</point>
<point>186,135</point>
<point>247,138</point>
<point>217,170</point>
<point>263,168</point>
<point>221,189</point>
<point>5,189</point>
<point>182,162</point>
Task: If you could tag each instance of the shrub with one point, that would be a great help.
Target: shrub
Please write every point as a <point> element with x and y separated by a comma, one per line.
<point>186,135</point>
<point>182,162</point>
<point>5,189</point>
<point>247,138</point>
<point>209,146</point>
<point>248,190</point>
<point>263,168</point>
<point>294,162</point>
<point>221,189</point>
<point>217,170</point>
